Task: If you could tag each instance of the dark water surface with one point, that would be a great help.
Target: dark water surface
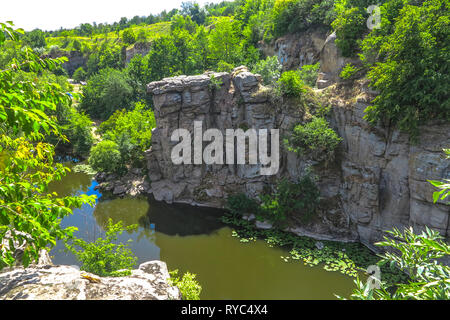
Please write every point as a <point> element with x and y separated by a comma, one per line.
<point>193,239</point>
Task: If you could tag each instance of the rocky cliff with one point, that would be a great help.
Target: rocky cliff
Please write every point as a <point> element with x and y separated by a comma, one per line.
<point>377,181</point>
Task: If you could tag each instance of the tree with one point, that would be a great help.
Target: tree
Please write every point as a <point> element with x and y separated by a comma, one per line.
<point>162,58</point>
<point>411,73</point>
<point>86,29</point>
<point>224,40</point>
<point>79,75</point>
<point>35,39</point>
<point>105,92</point>
<point>128,36</point>
<point>29,215</point>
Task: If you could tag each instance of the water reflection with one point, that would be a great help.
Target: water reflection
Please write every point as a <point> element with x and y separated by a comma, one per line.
<point>193,239</point>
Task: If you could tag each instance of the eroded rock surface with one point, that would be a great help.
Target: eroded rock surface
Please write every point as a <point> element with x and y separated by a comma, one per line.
<point>378,180</point>
<point>50,282</point>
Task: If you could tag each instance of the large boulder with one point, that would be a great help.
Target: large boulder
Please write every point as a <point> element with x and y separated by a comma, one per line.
<point>49,282</point>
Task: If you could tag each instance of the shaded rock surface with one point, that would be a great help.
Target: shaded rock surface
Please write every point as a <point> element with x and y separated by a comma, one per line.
<point>50,282</point>
<point>295,50</point>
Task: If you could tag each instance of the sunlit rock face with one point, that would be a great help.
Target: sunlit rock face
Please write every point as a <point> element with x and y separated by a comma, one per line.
<point>50,282</point>
<point>377,180</point>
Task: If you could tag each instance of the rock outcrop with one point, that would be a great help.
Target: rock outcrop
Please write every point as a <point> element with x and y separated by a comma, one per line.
<point>133,183</point>
<point>141,48</point>
<point>384,176</point>
<point>295,50</point>
<point>378,180</point>
<point>49,282</point>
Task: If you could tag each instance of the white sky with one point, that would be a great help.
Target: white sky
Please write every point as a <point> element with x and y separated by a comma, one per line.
<point>53,14</point>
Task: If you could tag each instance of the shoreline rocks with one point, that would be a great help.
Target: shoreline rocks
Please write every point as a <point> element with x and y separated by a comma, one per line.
<point>132,183</point>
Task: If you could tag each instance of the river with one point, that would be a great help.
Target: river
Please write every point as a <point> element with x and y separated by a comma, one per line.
<point>194,239</point>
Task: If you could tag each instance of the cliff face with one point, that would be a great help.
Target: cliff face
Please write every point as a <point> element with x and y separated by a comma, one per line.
<point>377,181</point>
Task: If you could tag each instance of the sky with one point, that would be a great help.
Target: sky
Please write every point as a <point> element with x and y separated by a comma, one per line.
<point>53,14</point>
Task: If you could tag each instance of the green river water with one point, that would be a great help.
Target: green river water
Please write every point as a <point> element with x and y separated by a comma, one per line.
<point>193,239</point>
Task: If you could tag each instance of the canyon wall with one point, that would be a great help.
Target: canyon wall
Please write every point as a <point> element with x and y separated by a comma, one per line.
<point>377,181</point>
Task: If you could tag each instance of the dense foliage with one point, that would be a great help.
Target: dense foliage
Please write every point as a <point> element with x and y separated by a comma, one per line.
<point>289,200</point>
<point>106,92</point>
<point>314,139</point>
<point>290,16</point>
<point>412,73</point>
<point>105,156</point>
<point>29,215</point>
<point>189,287</point>
<point>131,131</point>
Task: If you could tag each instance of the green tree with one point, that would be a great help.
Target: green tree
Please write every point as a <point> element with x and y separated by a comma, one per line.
<point>105,157</point>
<point>162,58</point>
<point>290,16</point>
<point>224,40</point>
<point>106,92</point>
<point>269,69</point>
<point>35,39</point>
<point>29,215</point>
<point>412,72</point>
<point>79,75</point>
<point>128,36</point>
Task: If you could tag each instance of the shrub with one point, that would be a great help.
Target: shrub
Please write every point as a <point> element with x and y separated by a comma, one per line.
<point>291,199</point>
<point>269,69</point>
<point>315,138</point>
<point>290,84</point>
<point>79,75</point>
<point>348,72</point>
<point>240,204</point>
<point>189,287</point>
<point>104,257</point>
<point>105,157</point>
<point>308,73</point>
<point>77,129</point>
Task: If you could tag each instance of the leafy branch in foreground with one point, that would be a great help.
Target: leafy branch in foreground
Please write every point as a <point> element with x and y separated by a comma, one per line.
<point>417,256</point>
<point>30,216</point>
